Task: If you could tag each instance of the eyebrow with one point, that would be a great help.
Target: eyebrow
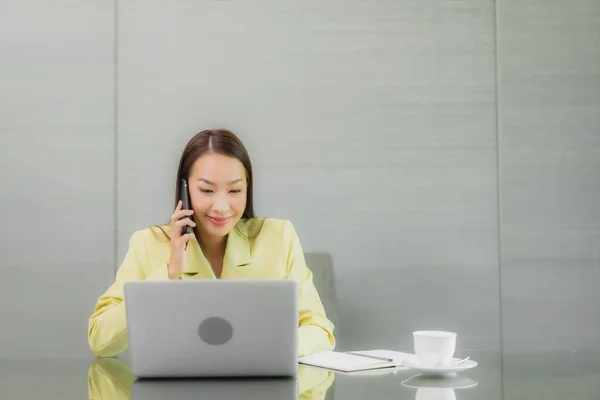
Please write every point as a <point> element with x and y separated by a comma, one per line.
<point>212,183</point>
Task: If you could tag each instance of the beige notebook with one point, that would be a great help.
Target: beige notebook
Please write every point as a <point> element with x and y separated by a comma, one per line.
<point>346,362</point>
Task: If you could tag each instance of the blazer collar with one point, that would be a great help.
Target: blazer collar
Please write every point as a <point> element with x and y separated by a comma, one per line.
<point>237,252</point>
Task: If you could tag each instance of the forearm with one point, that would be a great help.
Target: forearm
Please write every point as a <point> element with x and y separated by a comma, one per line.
<point>314,338</point>
<point>107,331</point>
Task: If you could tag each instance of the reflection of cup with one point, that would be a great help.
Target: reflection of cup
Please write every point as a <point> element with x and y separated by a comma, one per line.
<point>432,387</point>
<point>435,394</point>
<point>434,348</point>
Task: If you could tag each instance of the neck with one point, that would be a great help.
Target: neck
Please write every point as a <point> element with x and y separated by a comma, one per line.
<point>213,246</point>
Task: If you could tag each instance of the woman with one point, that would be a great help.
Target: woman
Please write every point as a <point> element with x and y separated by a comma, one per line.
<point>225,241</point>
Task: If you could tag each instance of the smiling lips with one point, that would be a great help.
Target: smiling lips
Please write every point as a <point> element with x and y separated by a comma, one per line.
<point>219,221</point>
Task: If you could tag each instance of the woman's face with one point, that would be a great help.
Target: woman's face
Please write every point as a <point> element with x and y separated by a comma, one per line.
<point>218,190</point>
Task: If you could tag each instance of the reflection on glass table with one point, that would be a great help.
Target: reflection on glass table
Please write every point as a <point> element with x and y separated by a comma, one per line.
<point>111,379</point>
<point>430,387</point>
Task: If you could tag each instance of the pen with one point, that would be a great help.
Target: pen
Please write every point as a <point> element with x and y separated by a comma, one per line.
<point>370,356</point>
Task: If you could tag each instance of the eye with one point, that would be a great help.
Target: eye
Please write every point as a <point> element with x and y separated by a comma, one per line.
<point>206,190</point>
<point>235,191</point>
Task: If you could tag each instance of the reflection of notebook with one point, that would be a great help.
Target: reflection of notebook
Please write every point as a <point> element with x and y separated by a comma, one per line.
<point>346,362</point>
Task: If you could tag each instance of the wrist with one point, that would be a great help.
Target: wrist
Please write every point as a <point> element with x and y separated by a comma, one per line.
<point>171,274</point>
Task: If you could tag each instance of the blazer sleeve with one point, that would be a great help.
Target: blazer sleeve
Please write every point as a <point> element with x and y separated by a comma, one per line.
<point>107,327</point>
<point>315,331</point>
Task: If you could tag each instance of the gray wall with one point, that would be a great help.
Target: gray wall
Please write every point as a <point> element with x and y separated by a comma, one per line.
<point>368,128</point>
<point>438,150</point>
<point>57,171</point>
<point>549,137</point>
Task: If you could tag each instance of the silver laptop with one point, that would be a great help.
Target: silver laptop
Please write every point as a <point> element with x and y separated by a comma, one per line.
<point>212,328</point>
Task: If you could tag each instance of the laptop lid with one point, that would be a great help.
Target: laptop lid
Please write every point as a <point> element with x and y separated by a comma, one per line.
<point>212,328</point>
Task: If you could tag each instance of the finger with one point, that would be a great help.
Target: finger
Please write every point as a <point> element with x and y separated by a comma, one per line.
<point>177,209</point>
<point>189,236</point>
<point>183,213</point>
<point>183,222</point>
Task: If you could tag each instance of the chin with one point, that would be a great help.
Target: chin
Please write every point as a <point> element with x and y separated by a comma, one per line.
<point>218,231</point>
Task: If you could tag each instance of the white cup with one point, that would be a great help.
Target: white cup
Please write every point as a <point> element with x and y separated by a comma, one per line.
<point>434,348</point>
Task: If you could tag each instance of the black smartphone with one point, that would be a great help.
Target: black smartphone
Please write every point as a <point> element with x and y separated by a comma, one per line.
<point>187,205</point>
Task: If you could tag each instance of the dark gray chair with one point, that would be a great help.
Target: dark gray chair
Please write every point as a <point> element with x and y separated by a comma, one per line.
<point>321,265</point>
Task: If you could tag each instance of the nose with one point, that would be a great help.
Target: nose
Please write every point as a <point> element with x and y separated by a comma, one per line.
<point>221,204</point>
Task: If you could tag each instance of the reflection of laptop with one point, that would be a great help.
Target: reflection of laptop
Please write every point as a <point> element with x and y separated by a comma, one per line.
<point>215,389</point>
<point>212,328</point>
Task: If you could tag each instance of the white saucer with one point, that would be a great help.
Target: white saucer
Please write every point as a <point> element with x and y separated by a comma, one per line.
<point>441,370</point>
<point>440,382</point>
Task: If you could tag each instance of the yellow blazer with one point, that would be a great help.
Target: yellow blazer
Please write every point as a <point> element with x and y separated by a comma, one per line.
<point>256,249</point>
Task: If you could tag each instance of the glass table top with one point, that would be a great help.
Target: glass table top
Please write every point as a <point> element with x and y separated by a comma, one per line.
<point>552,375</point>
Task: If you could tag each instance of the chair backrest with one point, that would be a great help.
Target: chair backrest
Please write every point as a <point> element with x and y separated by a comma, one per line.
<point>321,265</point>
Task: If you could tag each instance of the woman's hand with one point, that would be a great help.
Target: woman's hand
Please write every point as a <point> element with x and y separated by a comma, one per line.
<point>179,220</point>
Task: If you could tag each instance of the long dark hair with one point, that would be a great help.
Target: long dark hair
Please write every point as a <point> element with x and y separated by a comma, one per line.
<point>220,141</point>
